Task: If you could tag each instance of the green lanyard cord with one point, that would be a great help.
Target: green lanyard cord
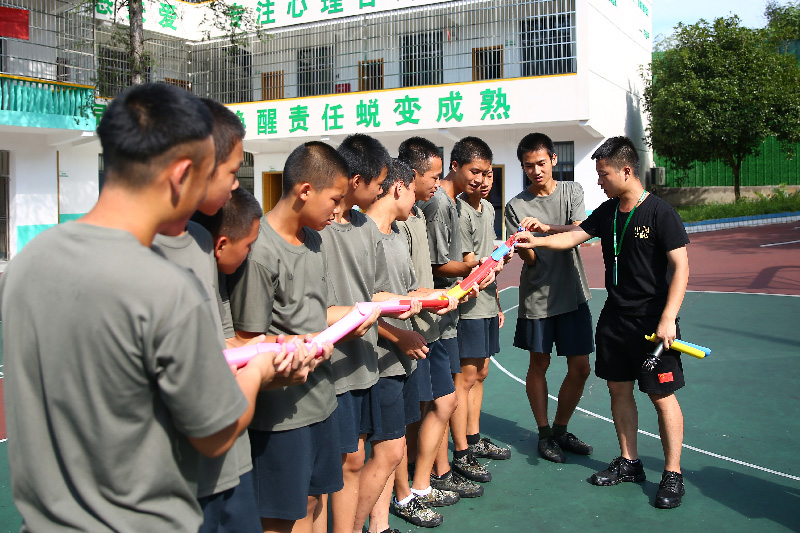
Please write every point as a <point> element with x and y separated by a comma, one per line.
<point>617,250</point>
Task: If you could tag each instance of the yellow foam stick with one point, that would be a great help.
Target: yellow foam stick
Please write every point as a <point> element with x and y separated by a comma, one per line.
<point>679,346</point>
<point>456,292</point>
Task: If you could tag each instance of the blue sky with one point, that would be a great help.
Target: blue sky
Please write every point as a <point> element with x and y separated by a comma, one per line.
<point>667,13</point>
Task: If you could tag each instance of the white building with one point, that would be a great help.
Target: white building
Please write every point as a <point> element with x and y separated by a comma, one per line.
<point>323,69</point>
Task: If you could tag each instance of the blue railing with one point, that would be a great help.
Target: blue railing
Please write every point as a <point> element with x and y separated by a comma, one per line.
<point>45,104</point>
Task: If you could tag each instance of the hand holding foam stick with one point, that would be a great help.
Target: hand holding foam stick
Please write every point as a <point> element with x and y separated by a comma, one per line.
<point>477,275</point>
<point>688,348</point>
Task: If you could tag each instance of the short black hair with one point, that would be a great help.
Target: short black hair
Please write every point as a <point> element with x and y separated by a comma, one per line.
<point>227,131</point>
<point>533,142</point>
<point>365,156</point>
<point>619,152</point>
<point>469,149</point>
<point>235,218</point>
<point>313,162</point>
<point>145,122</point>
<point>399,171</point>
<point>418,152</point>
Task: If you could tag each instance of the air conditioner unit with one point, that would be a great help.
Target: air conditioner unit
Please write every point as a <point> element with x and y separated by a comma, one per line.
<point>658,176</point>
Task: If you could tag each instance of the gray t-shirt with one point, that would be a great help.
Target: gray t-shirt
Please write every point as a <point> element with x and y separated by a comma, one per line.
<point>391,361</point>
<point>194,251</point>
<point>477,236</point>
<point>356,271</point>
<point>225,306</point>
<point>444,243</point>
<point>556,283</point>
<point>112,360</point>
<point>281,288</point>
<point>416,233</point>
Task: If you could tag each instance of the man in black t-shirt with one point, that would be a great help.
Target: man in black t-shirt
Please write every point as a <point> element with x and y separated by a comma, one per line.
<point>647,270</point>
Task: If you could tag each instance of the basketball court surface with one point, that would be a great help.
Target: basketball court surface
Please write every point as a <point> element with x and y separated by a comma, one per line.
<point>742,430</point>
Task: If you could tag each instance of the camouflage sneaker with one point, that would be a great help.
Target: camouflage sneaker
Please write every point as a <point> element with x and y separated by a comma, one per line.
<point>457,483</point>
<point>439,498</point>
<point>470,468</point>
<point>416,513</point>
<point>487,448</point>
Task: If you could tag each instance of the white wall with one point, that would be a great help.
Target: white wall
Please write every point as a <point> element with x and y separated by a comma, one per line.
<point>78,183</point>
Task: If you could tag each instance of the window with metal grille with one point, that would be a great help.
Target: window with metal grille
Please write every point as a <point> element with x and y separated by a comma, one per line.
<point>272,85</point>
<point>370,75</point>
<point>246,173</point>
<point>183,84</point>
<point>315,71</point>
<point>487,63</point>
<point>62,69</point>
<point>5,176</point>
<point>565,168</point>
<point>421,59</point>
<point>548,45</point>
<point>236,66</point>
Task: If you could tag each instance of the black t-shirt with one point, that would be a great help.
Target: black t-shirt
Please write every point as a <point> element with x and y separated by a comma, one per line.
<point>642,267</point>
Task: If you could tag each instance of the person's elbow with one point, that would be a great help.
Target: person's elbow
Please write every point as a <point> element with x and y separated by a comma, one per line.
<point>216,444</point>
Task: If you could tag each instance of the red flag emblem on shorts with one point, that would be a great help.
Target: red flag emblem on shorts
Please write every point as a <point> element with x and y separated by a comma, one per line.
<point>665,378</point>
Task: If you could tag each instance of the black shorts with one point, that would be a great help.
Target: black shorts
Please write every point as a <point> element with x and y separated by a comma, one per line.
<point>570,332</point>
<point>622,348</point>
<point>478,337</point>
<point>451,346</point>
<point>357,414</point>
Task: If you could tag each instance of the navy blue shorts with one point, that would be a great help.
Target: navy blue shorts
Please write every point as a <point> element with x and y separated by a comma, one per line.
<point>478,337</point>
<point>570,332</point>
<point>622,348</point>
<point>441,371</point>
<point>232,510</point>
<point>451,346</point>
<point>423,372</point>
<point>289,466</point>
<point>393,408</point>
<point>357,414</point>
<point>411,397</point>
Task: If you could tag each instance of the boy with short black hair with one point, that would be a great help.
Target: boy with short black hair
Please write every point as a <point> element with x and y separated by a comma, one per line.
<point>282,289</point>
<point>132,328</point>
<point>647,270</point>
<point>553,295</point>
<point>437,392</point>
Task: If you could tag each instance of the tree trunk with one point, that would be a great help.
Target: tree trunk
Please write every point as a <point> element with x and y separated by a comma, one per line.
<point>135,9</point>
<point>737,170</point>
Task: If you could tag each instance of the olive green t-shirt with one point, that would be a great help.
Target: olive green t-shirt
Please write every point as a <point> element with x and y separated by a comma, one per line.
<point>282,288</point>
<point>477,236</point>
<point>356,271</point>
<point>112,359</point>
<point>556,282</point>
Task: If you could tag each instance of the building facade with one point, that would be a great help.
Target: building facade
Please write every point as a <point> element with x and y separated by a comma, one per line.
<point>320,70</point>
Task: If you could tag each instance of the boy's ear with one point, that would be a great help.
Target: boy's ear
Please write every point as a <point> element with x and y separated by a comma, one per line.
<point>356,181</point>
<point>554,159</point>
<point>304,191</point>
<point>176,175</point>
<point>454,166</point>
<point>220,245</point>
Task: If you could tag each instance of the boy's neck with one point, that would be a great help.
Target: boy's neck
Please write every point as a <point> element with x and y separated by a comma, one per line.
<point>284,218</point>
<point>473,201</point>
<point>344,216</point>
<point>383,214</point>
<point>120,209</point>
<point>449,187</point>
<point>630,197</point>
<point>543,190</point>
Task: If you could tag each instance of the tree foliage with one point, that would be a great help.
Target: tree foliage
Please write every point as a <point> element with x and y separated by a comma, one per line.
<point>717,91</point>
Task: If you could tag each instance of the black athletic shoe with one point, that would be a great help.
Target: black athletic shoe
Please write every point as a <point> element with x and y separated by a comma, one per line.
<point>470,468</point>
<point>619,470</point>
<point>570,443</point>
<point>670,490</point>
<point>550,450</point>
<point>487,448</point>
<point>455,482</point>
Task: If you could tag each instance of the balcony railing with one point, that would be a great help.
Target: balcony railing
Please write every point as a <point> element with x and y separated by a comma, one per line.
<point>45,104</point>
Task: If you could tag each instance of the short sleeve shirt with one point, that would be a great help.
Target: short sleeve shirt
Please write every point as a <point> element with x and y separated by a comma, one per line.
<point>416,233</point>
<point>194,251</point>
<point>391,362</point>
<point>477,236</point>
<point>113,360</point>
<point>281,288</point>
<point>643,275</point>
<point>444,243</point>
<point>356,271</point>
<point>556,283</point>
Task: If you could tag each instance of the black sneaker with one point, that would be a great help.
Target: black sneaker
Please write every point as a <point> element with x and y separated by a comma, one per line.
<point>670,490</point>
<point>470,468</point>
<point>570,443</point>
<point>550,450</point>
<point>439,498</point>
<point>619,470</point>
<point>487,448</point>
<point>457,483</point>
<point>417,513</point>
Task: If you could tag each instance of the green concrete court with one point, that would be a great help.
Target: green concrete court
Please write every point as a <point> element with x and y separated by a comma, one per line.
<point>740,405</point>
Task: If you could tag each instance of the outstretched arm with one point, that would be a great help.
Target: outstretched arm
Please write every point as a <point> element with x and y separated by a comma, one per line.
<point>559,241</point>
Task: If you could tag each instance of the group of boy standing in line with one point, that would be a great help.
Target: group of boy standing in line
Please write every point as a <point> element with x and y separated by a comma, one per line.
<point>124,415</point>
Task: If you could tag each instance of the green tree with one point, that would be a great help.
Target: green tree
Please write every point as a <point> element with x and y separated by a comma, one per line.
<point>716,91</point>
<point>783,22</point>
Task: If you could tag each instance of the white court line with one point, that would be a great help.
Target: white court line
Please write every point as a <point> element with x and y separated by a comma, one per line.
<point>778,244</point>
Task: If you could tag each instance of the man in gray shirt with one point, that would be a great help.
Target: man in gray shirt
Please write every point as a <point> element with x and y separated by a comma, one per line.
<point>552,296</point>
<point>115,380</point>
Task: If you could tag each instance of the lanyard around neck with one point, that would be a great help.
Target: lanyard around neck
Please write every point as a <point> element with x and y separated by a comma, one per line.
<point>618,249</point>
